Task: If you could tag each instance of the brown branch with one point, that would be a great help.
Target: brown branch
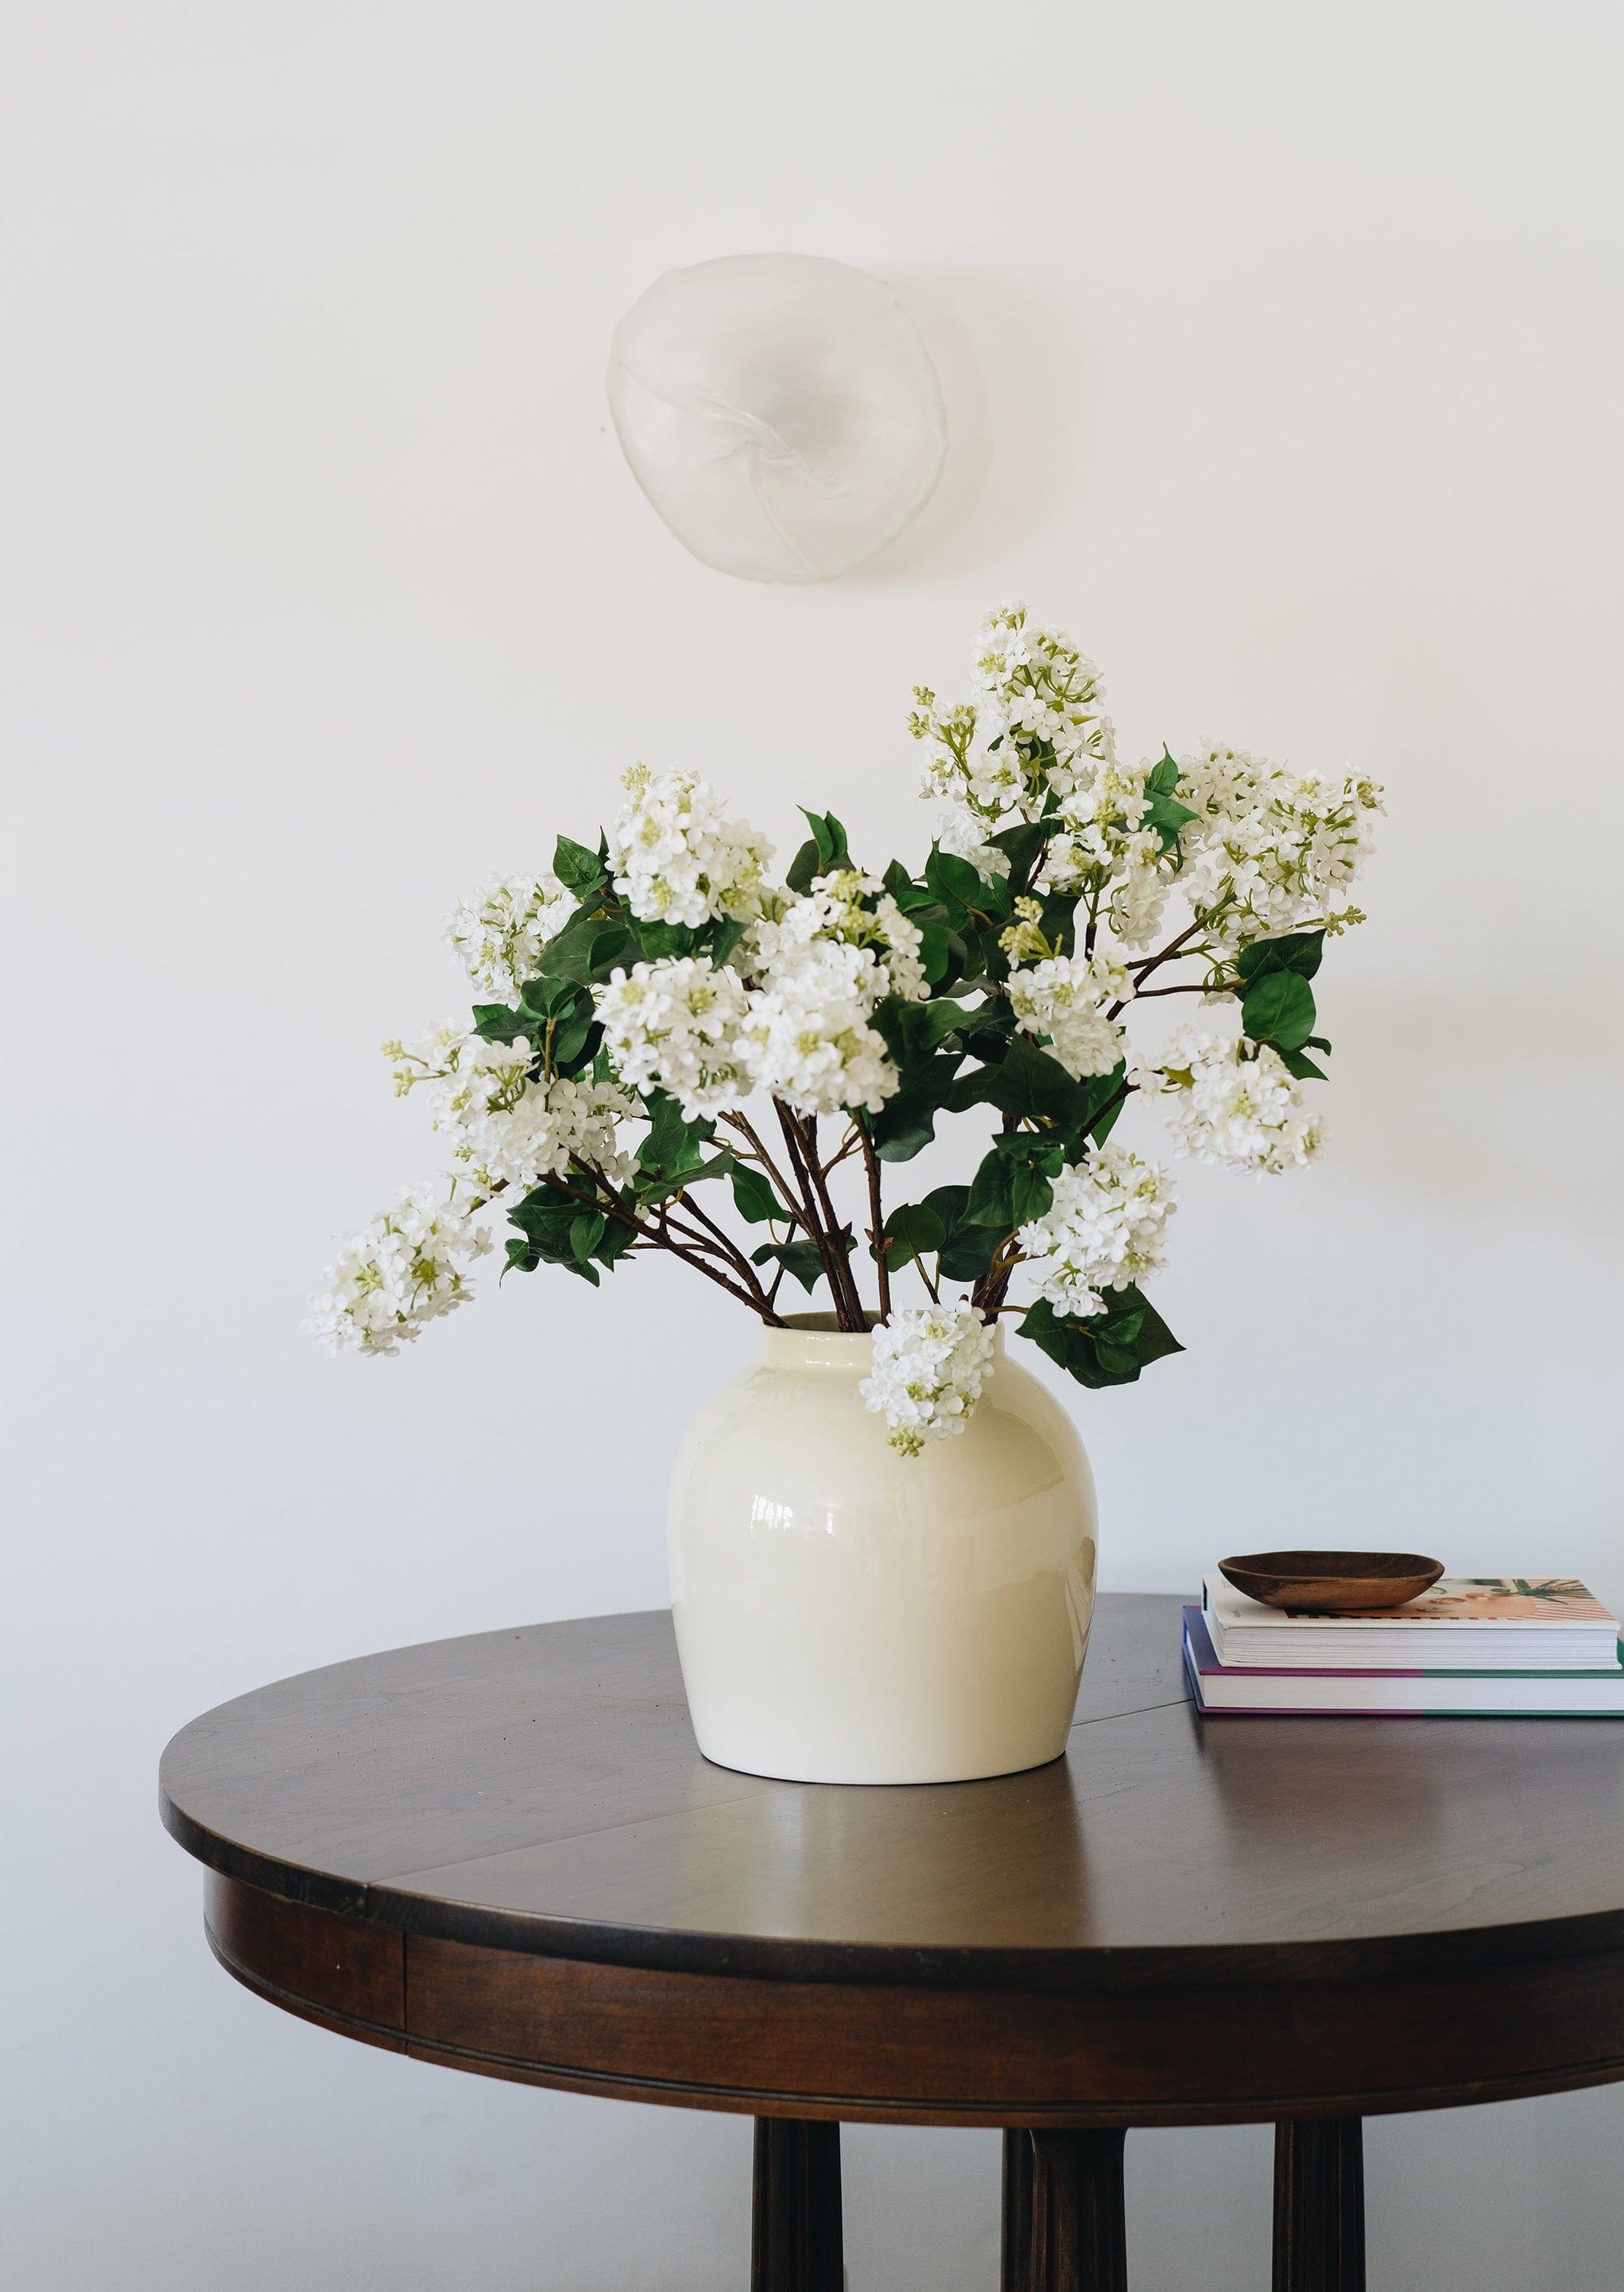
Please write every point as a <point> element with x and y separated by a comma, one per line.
<point>801,1135</point>
<point>1146,964</point>
<point>649,1234</point>
<point>735,1256</point>
<point>810,1220</point>
<point>785,1191</point>
<point>1150,962</point>
<point>877,1218</point>
<point>850,1298</point>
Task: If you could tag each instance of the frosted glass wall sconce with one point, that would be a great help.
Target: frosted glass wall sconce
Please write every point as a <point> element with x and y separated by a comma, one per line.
<point>780,411</point>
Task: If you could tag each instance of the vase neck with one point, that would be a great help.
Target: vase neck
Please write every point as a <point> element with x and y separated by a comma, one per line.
<point>815,1340</point>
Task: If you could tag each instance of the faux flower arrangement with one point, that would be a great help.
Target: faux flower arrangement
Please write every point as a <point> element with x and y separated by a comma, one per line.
<point>668,1030</point>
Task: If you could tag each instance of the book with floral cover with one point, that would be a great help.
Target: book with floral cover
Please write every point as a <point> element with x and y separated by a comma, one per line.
<point>1465,1622</point>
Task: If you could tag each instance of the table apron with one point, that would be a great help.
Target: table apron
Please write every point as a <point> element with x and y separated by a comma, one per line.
<point>1201,2055</point>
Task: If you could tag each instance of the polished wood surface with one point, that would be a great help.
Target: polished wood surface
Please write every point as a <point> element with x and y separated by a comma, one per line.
<point>1320,2206</point>
<point>796,2231</point>
<point>504,1852</point>
<point>1066,2226</point>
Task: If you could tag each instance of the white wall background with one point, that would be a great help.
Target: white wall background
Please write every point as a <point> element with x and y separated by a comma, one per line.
<point>1282,347</point>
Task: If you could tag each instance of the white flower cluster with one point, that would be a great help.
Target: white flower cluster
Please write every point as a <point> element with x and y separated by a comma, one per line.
<point>1036,687</point>
<point>1106,847</point>
<point>1243,1113</point>
<point>1065,999</point>
<point>818,964</point>
<point>507,1127</point>
<point>676,860</point>
<point>1106,1228</point>
<point>1271,850</point>
<point>1037,726</point>
<point>856,910</point>
<point>930,1364</point>
<point>500,932</point>
<point>808,1039</point>
<point>675,1025</point>
<point>1038,736</point>
<point>407,1268</point>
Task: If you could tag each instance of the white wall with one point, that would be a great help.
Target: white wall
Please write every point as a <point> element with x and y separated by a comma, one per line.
<point>1281,349</point>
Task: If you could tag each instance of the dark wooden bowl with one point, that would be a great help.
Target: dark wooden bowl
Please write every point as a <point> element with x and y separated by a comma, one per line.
<point>1321,1581</point>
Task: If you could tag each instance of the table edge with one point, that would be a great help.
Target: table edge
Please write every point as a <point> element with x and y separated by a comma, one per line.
<point>808,1959</point>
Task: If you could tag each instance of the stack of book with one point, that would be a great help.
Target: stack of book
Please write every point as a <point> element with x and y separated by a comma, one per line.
<point>1473,1647</point>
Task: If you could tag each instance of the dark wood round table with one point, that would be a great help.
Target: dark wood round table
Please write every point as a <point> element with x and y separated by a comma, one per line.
<point>506,1854</point>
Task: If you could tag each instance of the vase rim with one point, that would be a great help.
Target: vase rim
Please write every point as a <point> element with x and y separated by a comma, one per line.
<point>817,1341</point>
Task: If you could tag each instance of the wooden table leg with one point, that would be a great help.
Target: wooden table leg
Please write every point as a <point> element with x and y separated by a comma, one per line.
<point>1319,2206</point>
<point>794,2223</point>
<point>1064,2225</point>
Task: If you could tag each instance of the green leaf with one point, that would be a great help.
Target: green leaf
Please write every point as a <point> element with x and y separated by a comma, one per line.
<point>1155,1340</point>
<point>799,1259</point>
<point>966,1250</point>
<point>1103,1117</point>
<point>906,1124</point>
<point>1023,846</point>
<point>618,1237</point>
<point>578,869</point>
<point>754,1197</point>
<point>550,1221</point>
<point>935,951</point>
<point>494,1023</point>
<point>659,940</point>
<point>1297,1063</point>
<point>910,896</point>
<point>912,1230</point>
<point>830,837</point>
<point>585,1233</point>
<point>1108,1348</point>
<point>575,1042</point>
<point>673,1149</point>
<point>965,894</point>
<point>1298,951</point>
<point>588,948</point>
<point>724,937</point>
<point>915,1031</point>
<point>1029,1084</point>
<point>1013,1184</point>
<point>1278,1008</point>
<point>1164,813</point>
<point>826,851</point>
<point>552,998</point>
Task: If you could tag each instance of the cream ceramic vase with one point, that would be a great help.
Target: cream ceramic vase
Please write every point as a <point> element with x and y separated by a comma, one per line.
<point>846,1615</point>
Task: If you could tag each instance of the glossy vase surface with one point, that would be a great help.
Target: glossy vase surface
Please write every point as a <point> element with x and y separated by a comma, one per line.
<point>848,1615</point>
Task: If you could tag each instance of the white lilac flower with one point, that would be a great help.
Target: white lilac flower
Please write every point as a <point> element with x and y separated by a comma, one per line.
<point>1242,1112</point>
<point>676,860</point>
<point>1065,998</point>
<point>405,1269</point>
<point>1034,684</point>
<point>959,831</point>
<point>506,1126</point>
<point>854,910</point>
<point>930,1364</point>
<point>1106,848</point>
<point>500,932</point>
<point>1037,729</point>
<point>1105,1229</point>
<point>807,1036</point>
<point>1272,850</point>
<point>675,1024</point>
